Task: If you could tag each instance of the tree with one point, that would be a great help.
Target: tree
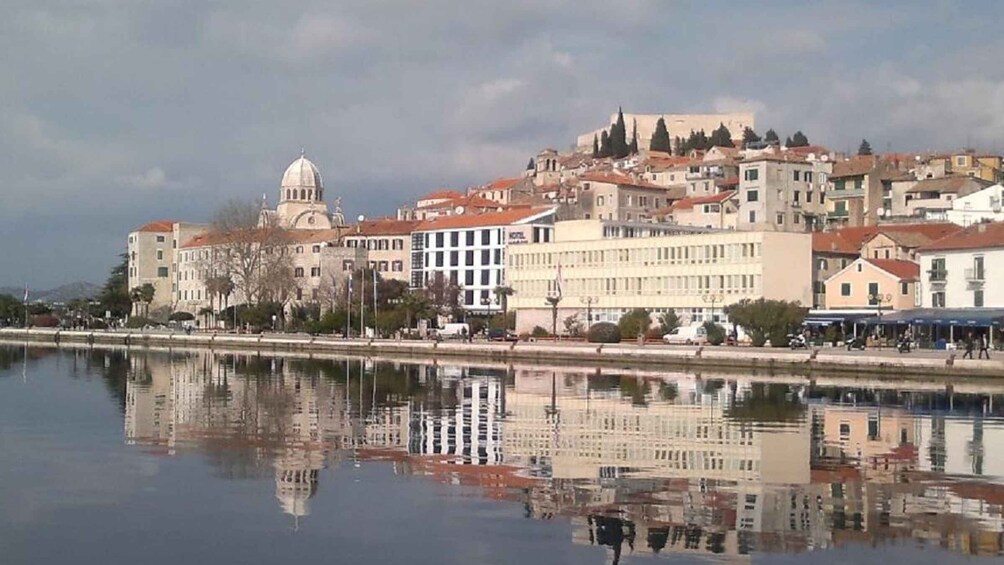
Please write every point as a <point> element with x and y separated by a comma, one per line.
<point>633,147</point>
<point>503,292</point>
<point>788,142</point>
<point>618,137</point>
<point>766,319</point>
<point>596,146</point>
<point>714,332</point>
<point>721,137</point>
<point>669,321</point>
<point>416,305</point>
<point>146,293</point>
<point>678,143</point>
<point>865,148</point>
<point>11,311</point>
<point>749,136</point>
<point>771,137</point>
<point>798,140</point>
<point>573,326</point>
<point>660,139</point>
<point>443,294</point>
<point>531,165</point>
<point>605,150</point>
<point>114,295</point>
<point>635,322</point>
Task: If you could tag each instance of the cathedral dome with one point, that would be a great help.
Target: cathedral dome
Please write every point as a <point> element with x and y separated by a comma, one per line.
<point>301,181</point>
<point>302,173</point>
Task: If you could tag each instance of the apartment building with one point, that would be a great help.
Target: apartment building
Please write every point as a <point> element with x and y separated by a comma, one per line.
<point>981,206</point>
<point>611,196</point>
<point>932,198</point>
<point>387,245</point>
<point>855,194</point>
<point>153,258</point>
<point>694,274</point>
<point>469,251</point>
<point>715,211</point>
<point>958,271</point>
<point>781,193</point>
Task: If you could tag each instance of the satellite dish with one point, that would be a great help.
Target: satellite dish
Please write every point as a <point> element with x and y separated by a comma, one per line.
<point>458,210</point>
<point>881,212</point>
<point>361,217</point>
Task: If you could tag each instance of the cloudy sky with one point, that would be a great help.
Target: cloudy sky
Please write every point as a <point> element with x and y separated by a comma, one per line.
<point>116,112</point>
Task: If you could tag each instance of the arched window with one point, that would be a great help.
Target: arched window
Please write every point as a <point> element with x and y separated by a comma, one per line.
<point>287,194</point>
<point>303,194</point>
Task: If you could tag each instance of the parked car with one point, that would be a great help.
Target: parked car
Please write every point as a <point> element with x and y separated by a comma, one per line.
<point>499,334</point>
<point>454,331</point>
<point>687,335</point>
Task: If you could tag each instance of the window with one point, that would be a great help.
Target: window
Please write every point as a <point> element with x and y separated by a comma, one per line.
<point>808,176</point>
<point>160,254</point>
<point>162,272</point>
<point>858,267</point>
<point>938,299</point>
<point>486,237</point>
<point>978,268</point>
<point>469,256</point>
<point>823,264</point>
<point>796,196</point>
<point>298,272</point>
<point>299,294</point>
<point>752,196</point>
<point>752,216</point>
<point>315,271</point>
<point>978,299</point>
<point>845,289</point>
<point>485,277</point>
<point>751,174</point>
<point>160,239</point>
<point>468,297</point>
<point>780,218</point>
<point>486,256</point>
<point>454,258</point>
<point>795,175</point>
<point>858,183</point>
<point>839,184</point>
<point>439,239</point>
<point>316,249</point>
<point>470,238</point>
<point>904,288</point>
<point>796,219</point>
<point>347,265</point>
<point>397,266</point>
<point>873,294</point>
<point>454,239</point>
<point>299,249</point>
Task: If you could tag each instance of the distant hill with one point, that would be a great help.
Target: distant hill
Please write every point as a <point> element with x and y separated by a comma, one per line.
<point>63,293</point>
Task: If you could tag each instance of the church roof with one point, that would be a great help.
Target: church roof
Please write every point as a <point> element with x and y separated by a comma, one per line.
<point>302,173</point>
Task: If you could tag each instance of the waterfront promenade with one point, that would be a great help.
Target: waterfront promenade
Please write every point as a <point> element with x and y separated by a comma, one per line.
<point>624,355</point>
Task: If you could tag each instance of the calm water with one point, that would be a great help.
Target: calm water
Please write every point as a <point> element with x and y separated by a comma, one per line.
<point>149,457</point>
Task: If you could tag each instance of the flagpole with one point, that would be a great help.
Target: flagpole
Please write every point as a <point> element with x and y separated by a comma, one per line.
<point>25,303</point>
<point>348,307</point>
<point>374,302</point>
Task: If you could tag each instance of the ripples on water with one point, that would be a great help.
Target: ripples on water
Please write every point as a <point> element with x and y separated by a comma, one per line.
<point>642,465</point>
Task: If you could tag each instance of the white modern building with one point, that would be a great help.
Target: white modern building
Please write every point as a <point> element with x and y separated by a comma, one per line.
<point>468,251</point>
<point>981,206</point>
<point>959,271</point>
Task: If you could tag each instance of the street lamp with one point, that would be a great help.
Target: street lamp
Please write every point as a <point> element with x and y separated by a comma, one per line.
<point>878,299</point>
<point>712,298</point>
<point>589,301</point>
<point>553,298</point>
<point>487,302</point>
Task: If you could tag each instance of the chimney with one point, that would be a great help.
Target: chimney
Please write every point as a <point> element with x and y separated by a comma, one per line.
<point>982,228</point>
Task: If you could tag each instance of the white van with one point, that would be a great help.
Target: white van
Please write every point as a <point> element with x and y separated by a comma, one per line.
<point>454,331</point>
<point>687,335</point>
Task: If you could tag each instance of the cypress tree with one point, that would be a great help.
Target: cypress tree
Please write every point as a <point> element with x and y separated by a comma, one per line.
<point>660,139</point>
<point>633,148</point>
<point>721,137</point>
<point>605,144</point>
<point>788,142</point>
<point>865,148</point>
<point>618,137</point>
<point>799,139</point>
<point>681,146</point>
<point>771,137</point>
<point>531,165</point>
<point>596,146</point>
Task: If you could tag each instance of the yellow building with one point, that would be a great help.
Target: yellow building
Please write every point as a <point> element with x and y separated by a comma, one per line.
<point>604,277</point>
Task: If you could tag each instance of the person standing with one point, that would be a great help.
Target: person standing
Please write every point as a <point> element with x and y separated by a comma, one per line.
<point>969,346</point>
<point>984,346</point>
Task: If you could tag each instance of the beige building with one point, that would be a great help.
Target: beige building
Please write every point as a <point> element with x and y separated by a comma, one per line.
<point>681,272</point>
<point>611,196</point>
<point>932,198</point>
<point>782,193</point>
<point>387,243</point>
<point>678,125</point>
<point>855,196</point>
<point>716,211</point>
<point>153,259</point>
<point>886,284</point>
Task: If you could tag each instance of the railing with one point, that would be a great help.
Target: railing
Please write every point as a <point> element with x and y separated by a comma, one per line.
<point>975,275</point>
<point>937,275</point>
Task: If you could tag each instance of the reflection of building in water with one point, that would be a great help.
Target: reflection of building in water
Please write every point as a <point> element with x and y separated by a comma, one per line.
<point>581,433</point>
<point>470,431</point>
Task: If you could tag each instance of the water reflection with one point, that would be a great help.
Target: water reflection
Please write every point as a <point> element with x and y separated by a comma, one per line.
<point>673,465</point>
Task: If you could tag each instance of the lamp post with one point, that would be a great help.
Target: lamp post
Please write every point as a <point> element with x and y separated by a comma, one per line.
<point>712,298</point>
<point>553,298</point>
<point>487,302</point>
<point>878,299</point>
<point>589,301</point>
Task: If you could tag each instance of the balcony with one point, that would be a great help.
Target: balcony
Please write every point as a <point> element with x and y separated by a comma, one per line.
<point>975,277</point>
<point>937,276</point>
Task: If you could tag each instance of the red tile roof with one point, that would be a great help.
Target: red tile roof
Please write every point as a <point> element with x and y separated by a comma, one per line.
<point>620,180</point>
<point>950,185</point>
<point>383,226</point>
<point>470,201</point>
<point>158,226</point>
<point>502,184</point>
<point>978,236</point>
<point>858,235</point>
<point>728,181</point>
<point>503,218</point>
<point>444,194</point>
<point>833,242</point>
<point>688,203</point>
<point>905,270</point>
<point>856,167</point>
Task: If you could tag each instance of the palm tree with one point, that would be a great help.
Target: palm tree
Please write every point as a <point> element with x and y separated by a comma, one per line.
<point>503,292</point>
<point>146,293</point>
<point>136,296</point>
<point>415,304</point>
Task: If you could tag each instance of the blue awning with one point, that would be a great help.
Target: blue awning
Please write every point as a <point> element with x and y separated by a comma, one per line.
<point>972,317</point>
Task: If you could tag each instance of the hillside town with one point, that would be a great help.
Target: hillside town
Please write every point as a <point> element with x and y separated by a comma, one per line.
<point>651,213</point>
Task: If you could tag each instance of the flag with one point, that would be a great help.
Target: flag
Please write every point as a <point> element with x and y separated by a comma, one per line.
<point>25,299</point>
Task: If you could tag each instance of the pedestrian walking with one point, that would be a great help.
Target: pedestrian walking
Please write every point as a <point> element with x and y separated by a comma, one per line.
<point>984,346</point>
<point>969,346</point>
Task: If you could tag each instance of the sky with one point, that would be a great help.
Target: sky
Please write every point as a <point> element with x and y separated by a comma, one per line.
<point>117,112</point>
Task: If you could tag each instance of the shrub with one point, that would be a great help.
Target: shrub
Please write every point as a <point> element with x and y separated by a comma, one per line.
<point>763,319</point>
<point>635,322</point>
<point>604,332</point>
<point>716,333</point>
<point>668,322</point>
<point>539,332</point>
<point>136,322</point>
<point>181,316</point>
<point>655,333</point>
